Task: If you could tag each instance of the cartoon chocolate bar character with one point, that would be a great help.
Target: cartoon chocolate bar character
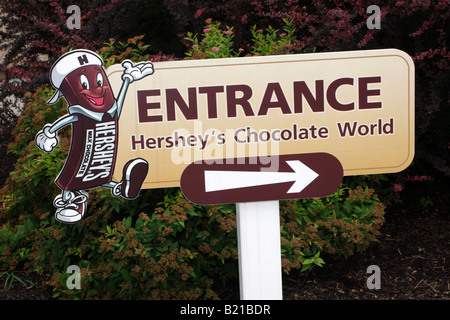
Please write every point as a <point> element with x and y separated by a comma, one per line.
<point>93,112</point>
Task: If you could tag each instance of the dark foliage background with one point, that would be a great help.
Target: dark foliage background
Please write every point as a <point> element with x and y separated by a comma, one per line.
<point>419,28</point>
<point>34,33</point>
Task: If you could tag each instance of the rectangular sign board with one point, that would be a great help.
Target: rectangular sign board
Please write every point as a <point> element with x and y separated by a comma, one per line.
<point>296,176</point>
<point>357,106</point>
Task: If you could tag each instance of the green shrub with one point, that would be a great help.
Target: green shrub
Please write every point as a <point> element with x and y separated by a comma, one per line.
<point>116,51</point>
<point>158,246</point>
<point>342,224</point>
<point>218,43</point>
<point>176,251</point>
<point>273,42</point>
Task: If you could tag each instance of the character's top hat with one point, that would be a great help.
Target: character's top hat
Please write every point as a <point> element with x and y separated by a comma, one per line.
<point>66,64</point>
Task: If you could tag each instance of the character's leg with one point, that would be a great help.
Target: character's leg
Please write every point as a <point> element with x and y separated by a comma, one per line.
<point>71,206</point>
<point>66,195</point>
<point>134,173</point>
<point>114,186</point>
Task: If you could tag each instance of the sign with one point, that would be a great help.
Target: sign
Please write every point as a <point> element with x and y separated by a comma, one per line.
<point>357,106</point>
<point>262,178</point>
<point>210,125</point>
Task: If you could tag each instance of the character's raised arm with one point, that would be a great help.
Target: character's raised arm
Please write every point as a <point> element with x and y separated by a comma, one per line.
<point>131,73</point>
<point>47,139</point>
<point>121,96</point>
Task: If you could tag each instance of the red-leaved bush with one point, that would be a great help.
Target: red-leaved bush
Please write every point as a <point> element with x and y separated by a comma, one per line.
<point>418,27</point>
<point>34,34</point>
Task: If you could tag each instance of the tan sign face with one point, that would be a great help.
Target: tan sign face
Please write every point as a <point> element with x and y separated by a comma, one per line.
<point>357,106</point>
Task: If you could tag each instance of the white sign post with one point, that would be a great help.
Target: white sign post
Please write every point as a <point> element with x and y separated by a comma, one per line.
<point>259,247</point>
<point>258,220</point>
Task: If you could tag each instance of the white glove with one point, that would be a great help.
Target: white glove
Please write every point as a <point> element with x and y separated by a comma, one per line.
<point>45,140</point>
<point>137,71</point>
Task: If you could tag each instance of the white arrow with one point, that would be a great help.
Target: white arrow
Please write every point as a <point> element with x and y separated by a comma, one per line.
<point>216,180</point>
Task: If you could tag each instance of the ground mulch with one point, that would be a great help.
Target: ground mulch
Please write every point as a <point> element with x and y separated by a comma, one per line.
<point>413,254</point>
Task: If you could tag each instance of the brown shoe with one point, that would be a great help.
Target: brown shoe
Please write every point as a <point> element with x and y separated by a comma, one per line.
<point>134,174</point>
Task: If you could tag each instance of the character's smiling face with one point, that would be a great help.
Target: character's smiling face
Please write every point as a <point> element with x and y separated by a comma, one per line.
<point>89,87</point>
<point>97,101</point>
